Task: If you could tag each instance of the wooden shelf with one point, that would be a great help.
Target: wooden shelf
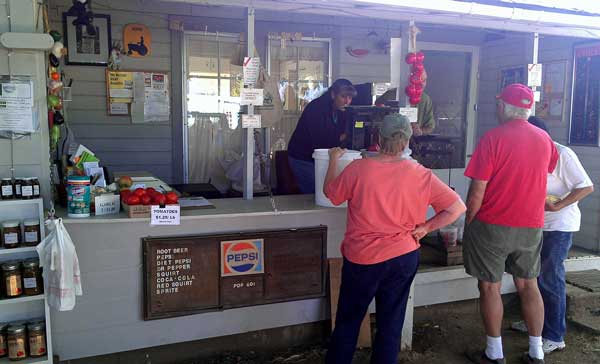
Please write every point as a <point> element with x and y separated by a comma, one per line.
<point>42,360</point>
<point>26,249</point>
<point>22,299</point>
<point>35,201</point>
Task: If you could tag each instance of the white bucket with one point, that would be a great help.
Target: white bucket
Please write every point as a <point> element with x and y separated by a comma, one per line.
<point>321,157</point>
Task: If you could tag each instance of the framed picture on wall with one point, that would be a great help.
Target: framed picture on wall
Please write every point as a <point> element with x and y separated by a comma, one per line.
<point>87,45</point>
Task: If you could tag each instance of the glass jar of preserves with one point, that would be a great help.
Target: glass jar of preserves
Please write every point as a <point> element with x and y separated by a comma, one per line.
<point>37,339</point>
<point>16,337</point>
<point>35,184</point>
<point>3,343</point>
<point>32,234</point>
<point>11,234</point>
<point>32,277</point>
<point>27,189</point>
<point>18,186</point>
<point>11,273</point>
<point>7,189</point>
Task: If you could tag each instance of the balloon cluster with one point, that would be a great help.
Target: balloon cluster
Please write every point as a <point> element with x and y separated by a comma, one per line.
<point>414,90</point>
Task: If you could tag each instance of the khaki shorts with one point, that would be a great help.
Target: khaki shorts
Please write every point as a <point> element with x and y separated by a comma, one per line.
<point>490,250</point>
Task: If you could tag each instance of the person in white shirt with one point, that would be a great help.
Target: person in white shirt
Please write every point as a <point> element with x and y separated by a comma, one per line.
<point>567,185</point>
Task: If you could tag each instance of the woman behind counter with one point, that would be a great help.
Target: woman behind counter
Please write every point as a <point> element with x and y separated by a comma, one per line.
<point>323,124</point>
<point>388,197</point>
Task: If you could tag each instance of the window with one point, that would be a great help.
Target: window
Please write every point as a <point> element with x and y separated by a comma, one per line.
<point>214,80</point>
<point>302,68</point>
<point>585,113</point>
<point>214,83</point>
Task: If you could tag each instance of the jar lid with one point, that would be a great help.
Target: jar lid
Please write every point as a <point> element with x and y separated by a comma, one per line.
<point>7,179</point>
<point>31,222</point>
<point>16,329</point>
<point>10,266</point>
<point>26,179</point>
<point>10,224</point>
<point>36,326</point>
<point>31,263</point>
<point>19,178</point>
<point>79,178</point>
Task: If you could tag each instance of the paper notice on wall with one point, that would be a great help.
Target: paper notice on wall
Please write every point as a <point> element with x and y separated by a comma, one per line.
<point>119,108</point>
<point>157,102</point>
<point>534,75</point>
<point>412,113</point>
<point>251,70</point>
<point>16,106</point>
<point>381,88</point>
<point>137,112</point>
<point>120,85</point>
<point>251,121</point>
<point>252,96</point>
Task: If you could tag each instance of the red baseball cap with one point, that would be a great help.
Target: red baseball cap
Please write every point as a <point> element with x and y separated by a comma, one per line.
<point>517,95</point>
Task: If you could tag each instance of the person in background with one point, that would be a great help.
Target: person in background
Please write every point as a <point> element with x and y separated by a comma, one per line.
<point>322,125</point>
<point>505,216</point>
<point>425,120</point>
<point>388,197</point>
<point>567,185</point>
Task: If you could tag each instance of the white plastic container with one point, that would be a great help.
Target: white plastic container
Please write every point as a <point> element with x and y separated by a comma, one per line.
<point>321,157</point>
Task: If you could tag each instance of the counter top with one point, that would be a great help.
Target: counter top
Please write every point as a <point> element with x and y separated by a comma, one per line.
<point>228,206</point>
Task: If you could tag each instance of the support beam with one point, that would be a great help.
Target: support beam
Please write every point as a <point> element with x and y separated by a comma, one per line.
<point>534,60</point>
<point>249,132</point>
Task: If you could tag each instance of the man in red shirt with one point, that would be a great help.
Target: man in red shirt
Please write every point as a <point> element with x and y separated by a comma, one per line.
<point>505,217</point>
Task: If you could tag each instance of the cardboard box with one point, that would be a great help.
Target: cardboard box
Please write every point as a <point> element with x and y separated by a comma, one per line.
<point>136,210</point>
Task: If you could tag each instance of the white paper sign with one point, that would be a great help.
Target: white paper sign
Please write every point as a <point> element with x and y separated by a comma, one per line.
<point>16,106</point>
<point>251,70</point>
<point>119,108</point>
<point>252,96</point>
<point>251,121</point>
<point>381,88</point>
<point>537,96</point>
<point>412,113</point>
<point>169,215</point>
<point>107,204</point>
<point>534,75</point>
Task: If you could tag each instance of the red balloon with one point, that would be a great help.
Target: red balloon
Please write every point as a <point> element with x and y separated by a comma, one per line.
<point>420,56</point>
<point>411,91</point>
<point>55,76</point>
<point>411,58</point>
<point>416,80</point>
<point>415,100</point>
<point>418,67</point>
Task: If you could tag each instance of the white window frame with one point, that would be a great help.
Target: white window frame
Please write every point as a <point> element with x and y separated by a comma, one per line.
<point>329,41</point>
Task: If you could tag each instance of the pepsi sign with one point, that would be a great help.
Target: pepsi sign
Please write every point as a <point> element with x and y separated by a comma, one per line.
<point>242,257</point>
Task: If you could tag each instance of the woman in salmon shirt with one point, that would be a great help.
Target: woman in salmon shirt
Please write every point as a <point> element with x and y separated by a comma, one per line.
<point>388,197</point>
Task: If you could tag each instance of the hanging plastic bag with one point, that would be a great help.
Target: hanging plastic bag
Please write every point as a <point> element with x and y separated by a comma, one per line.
<point>62,277</point>
<point>271,111</point>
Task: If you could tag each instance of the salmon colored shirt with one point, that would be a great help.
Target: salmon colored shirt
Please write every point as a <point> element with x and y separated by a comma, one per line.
<point>386,201</point>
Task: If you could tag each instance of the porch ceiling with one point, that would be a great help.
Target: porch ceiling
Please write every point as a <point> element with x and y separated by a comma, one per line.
<point>448,12</point>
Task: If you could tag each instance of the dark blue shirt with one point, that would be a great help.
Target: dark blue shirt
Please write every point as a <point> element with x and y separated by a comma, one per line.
<point>321,126</point>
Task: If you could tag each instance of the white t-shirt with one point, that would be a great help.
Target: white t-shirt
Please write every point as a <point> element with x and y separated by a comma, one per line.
<point>568,175</point>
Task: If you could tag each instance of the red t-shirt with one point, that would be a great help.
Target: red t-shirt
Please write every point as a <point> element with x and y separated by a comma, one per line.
<point>386,201</point>
<point>515,158</point>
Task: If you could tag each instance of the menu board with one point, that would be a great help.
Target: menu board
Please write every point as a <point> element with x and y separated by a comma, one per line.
<point>195,274</point>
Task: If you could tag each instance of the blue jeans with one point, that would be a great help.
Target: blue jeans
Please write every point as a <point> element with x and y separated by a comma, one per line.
<point>555,249</point>
<point>389,283</point>
<point>304,171</point>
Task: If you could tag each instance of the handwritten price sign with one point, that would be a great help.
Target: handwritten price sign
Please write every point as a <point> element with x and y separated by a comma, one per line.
<point>169,215</point>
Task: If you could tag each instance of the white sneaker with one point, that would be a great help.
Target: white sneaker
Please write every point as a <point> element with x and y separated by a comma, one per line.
<point>550,346</point>
<point>519,326</point>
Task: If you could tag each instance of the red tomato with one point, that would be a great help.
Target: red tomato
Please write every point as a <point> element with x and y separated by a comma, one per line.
<point>172,198</point>
<point>124,194</point>
<point>133,200</point>
<point>159,199</point>
<point>139,192</point>
<point>151,191</point>
<point>146,200</point>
